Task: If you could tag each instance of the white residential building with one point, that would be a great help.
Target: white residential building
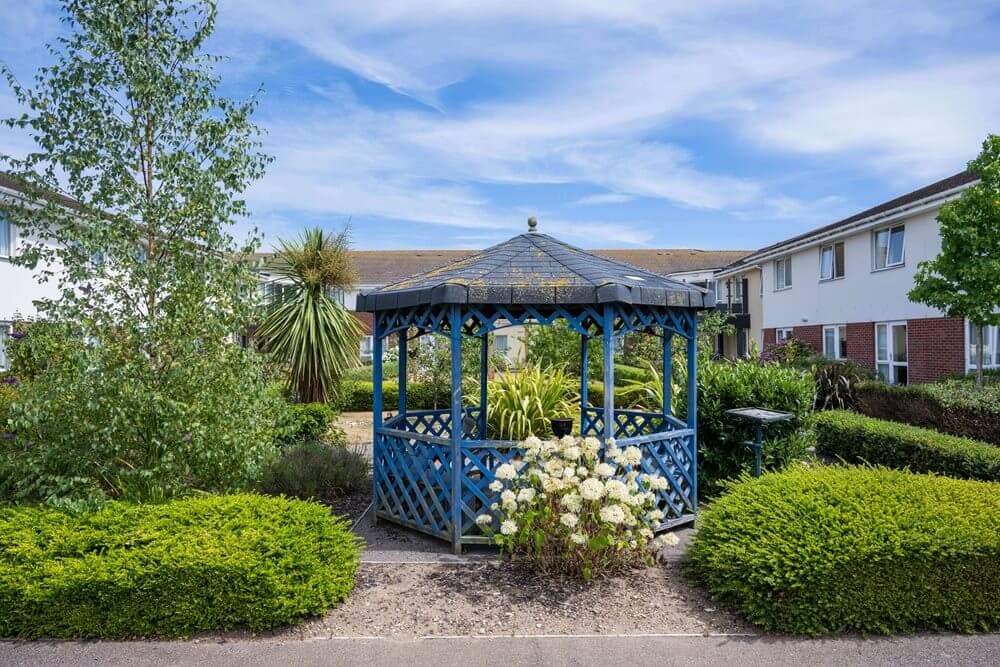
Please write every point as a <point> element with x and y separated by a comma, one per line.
<point>843,289</point>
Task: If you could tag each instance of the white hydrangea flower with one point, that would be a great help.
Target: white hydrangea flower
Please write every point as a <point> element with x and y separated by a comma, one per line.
<point>506,472</point>
<point>508,527</point>
<point>612,514</point>
<point>571,502</point>
<point>631,456</point>
<point>554,467</point>
<point>615,489</point>
<point>658,482</point>
<point>532,444</point>
<point>552,484</point>
<point>548,449</point>
<point>525,495</point>
<point>655,515</point>
<point>568,474</point>
<point>484,520</point>
<point>496,486</point>
<point>581,471</point>
<point>611,442</point>
<point>571,453</point>
<point>634,499</point>
<point>591,489</point>
<point>590,446</point>
<point>507,497</point>
<point>495,506</point>
<point>569,519</point>
<point>666,540</point>
<point>630,519</point>
<point>612,453</point>
<point>567,441</point>
<point>646,532</point>
<point>578,538</point>
<point>604,470</point>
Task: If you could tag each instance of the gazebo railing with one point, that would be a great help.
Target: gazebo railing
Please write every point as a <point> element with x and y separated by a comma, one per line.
<point>412,468</point>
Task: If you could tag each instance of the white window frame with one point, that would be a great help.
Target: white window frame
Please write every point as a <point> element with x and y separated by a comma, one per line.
<point>889,361</point>
<point>497,347</point>
<point>5,330</point>
<point>366,347</point>
<point>888,248</point>
<point>783,335</point>
<point>832,248</point>
<point>785,271</point>
<point>8,252</point>
<point>991,360</point>
<point>839,353</point>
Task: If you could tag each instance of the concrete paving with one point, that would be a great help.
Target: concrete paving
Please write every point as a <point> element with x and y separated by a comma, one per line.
<point>541,650</point>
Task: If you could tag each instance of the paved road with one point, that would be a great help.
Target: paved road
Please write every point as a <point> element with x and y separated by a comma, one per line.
<point>484,652</point>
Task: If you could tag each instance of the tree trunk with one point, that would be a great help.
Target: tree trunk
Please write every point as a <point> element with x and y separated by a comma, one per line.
<point>979,355</point>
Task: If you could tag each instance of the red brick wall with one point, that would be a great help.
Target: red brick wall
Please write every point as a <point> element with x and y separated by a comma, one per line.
<point>861,343</point>
<point>811,335</point>
<point>936,347</point>
<point>770,338</point>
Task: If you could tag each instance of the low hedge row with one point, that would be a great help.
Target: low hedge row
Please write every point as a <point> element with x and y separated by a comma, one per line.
<point>204,563</point>
<point>856,439</point>
<point>953,406</point>
<point>849,549</point>
<point>356,396</point>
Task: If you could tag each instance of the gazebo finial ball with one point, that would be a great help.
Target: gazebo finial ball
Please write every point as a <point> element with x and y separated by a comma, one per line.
<point>532,224</point>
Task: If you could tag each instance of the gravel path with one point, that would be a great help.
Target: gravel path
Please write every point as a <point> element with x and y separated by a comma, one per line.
<point>492,598</point>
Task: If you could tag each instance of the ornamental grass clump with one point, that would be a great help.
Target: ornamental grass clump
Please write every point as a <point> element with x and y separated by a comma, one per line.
<point>569,508</point>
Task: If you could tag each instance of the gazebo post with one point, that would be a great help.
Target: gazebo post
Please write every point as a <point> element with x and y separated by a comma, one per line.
<point>609,372</point>
<point>668,372</point>
<point>484,367</point>
<point>455,324</point>
<point>584,378</point>
<point>692,407</point>
<point>402,371</point>
<point>376,408</point>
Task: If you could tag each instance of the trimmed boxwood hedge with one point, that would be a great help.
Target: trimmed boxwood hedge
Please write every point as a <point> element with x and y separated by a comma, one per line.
<point>356,396</point>
<point>191,565</point>
<point>852,549</point>
<point>859,439</point>
<point>954,406</point>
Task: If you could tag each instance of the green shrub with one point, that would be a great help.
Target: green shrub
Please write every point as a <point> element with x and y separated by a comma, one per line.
<point>520,403</point>
<point>8,394</point>
<point>356,396</point>
<point>316,470</point>
<point>954,406</point>
<point>97,427</point>
<point>843,549</point>
<point>625,375</point>
<point>303,422</point>
<point>192,565</point>
<point>837,383</point>
<point>595,393</point>
<point>857,439</point>
<point>725,385</point>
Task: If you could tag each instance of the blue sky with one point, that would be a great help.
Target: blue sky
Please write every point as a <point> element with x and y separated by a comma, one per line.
<point>625,123</point>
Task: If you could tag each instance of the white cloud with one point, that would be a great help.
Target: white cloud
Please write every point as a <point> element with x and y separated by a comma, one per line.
<point>603,198</point>
<point>917,124</point>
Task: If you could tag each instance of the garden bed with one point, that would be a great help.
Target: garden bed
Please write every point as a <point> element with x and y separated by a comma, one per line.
<point>495,598</point>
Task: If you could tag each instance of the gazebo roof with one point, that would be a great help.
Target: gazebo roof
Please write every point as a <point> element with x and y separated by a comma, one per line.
<point>536,269</point>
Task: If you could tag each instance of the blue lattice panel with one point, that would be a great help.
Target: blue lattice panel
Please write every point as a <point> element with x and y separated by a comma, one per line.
<point>671,457</point>
<point>479,463</point>
<point>628,423</point>
<point>438,422</point>
<point>412,481</point>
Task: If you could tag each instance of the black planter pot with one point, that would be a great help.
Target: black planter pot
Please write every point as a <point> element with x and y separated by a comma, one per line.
<point>561,426</point>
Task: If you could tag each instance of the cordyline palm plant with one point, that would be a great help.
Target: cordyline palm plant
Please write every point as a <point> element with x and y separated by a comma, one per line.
<point>521,402</point>
<point>316,337</point>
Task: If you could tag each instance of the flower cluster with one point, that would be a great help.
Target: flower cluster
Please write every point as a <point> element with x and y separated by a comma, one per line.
<point>568,506</point>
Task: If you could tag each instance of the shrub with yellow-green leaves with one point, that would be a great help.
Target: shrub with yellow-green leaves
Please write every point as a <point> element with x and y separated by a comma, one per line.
<point>852,549</point>
<point>202,563</point>
<point>569,508</point>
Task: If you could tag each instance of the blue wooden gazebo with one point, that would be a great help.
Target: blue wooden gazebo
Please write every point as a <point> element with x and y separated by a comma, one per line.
<point>432,468</point>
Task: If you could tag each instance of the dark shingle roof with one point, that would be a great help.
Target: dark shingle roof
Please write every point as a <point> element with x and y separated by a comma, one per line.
<point>534,268</point>
<point>381,267</point>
